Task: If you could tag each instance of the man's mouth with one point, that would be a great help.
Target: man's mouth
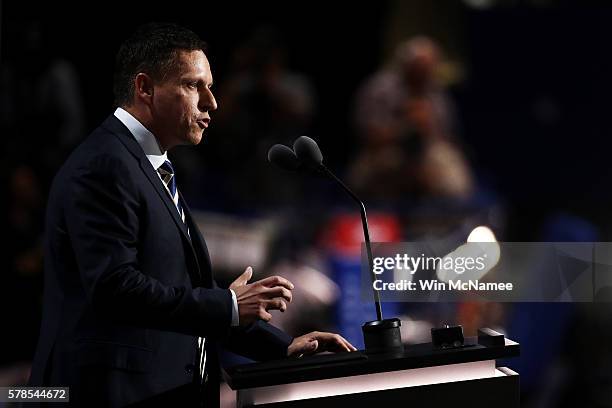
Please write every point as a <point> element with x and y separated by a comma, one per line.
<point>203,123</point>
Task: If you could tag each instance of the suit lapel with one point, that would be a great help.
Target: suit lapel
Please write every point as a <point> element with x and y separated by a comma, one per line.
<point>115,126</point>
<point>198,243</point>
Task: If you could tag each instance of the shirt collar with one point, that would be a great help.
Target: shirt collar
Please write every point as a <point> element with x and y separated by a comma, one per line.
<point>146,139</point>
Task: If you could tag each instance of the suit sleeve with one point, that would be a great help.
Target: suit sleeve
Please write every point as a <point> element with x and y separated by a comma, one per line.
<point>259,341</point>
<point>101,215</point>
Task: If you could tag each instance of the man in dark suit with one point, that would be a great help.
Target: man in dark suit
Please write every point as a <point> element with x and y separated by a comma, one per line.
<point>131,309</point>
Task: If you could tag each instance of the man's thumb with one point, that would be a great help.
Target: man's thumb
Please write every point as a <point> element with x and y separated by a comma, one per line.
<point>245,277</point>
<point>311,347</point>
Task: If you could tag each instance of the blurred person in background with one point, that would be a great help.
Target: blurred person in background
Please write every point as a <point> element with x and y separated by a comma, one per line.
<point>407,126</point>
<point>131,310</point>
<point>411,164</point>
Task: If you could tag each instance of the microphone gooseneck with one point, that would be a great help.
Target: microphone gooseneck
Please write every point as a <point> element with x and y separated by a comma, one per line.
<point>381,335</point>
<point>306,155</point>
<point>366,234</point>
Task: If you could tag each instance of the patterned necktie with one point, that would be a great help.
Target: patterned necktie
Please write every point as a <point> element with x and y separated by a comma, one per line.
<point>166,172</point>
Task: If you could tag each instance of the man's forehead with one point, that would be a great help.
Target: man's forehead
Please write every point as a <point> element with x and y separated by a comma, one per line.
<point>192,63</point>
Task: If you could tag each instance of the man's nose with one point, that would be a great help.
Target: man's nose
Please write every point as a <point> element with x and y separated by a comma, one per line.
<point>207,101</point>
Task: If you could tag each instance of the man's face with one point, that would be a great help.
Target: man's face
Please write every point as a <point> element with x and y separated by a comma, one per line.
<point>182,101</point>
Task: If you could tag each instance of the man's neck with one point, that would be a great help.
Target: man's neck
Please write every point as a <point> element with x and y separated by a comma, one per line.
<point>144,119</point>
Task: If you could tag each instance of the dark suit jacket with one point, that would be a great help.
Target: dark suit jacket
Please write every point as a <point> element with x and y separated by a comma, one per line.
<point>126,289</point>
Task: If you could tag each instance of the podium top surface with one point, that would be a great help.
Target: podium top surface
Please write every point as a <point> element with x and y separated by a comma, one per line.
<point>325,366</point>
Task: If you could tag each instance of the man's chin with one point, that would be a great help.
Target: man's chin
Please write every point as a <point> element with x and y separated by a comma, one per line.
<point>195,138</point>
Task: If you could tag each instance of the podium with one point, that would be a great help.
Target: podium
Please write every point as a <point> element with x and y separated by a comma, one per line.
<point>419,375</point>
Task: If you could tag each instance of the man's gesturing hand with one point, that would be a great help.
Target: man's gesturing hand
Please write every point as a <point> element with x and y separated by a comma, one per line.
<point>255,299</point>
<point>316,342</point>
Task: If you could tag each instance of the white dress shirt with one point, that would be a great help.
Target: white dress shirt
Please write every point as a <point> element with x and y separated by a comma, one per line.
<point>156,157</point>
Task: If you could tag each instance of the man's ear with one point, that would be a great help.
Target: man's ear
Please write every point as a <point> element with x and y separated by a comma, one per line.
<point>143,87</point>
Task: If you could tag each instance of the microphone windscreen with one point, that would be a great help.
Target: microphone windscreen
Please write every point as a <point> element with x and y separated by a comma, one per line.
<point>283,157</point>
<point>308,151</point>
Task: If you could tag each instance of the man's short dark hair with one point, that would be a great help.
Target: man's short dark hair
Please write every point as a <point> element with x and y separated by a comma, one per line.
<point>152,49</point>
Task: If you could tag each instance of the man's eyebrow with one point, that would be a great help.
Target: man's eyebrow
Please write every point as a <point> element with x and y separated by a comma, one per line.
<point>189,78</point>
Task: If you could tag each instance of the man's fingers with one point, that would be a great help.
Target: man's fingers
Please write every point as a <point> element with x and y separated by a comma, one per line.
<point>335,342</point>
<point>272,281</point>
<point>276,304</point>
<point>349,345</point>
<point>264,315</point>
<point>280,291</point>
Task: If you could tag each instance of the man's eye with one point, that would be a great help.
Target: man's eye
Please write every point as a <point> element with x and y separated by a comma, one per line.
<point>193,85</point>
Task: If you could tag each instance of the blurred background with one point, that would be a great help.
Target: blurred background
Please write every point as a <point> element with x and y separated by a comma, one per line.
<point>442,115</point>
